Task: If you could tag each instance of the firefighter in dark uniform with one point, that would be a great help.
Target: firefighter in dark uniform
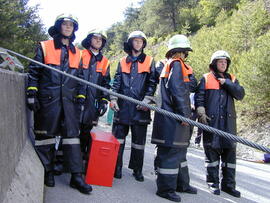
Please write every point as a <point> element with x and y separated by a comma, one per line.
<point>96,69</point>
<point>172,136</point>
<point>215,106</point>
<point>183,175</point>
<point>52,98</point>
<point>135,77</point>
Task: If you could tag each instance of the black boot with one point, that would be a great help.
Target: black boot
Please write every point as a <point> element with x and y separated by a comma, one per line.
<point>78,183</point>
<point>172,196</point>
<point>231,191</point>
<point>118,172</point>
<point>214,190</point>
<point>138,175</point>
<point>58,168</point>
<point>49,179</point>
<point>190,190</point>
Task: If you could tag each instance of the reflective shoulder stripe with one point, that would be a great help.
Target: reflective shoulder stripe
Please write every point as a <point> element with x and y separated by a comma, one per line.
<point>70,141</point>
<point>168,171</point>
<point>86,57</point>
<point>102,65</point>
<point>146,65</point>
<point>183,164</point>
<point>50,141</point>
<point>137,146</point>
<point>125,67</point>
<point>211,82</point>
<point>157,140</point>
<point>212,164</point>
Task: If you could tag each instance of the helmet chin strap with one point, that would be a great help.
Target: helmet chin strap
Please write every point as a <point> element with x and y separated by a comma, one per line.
<point>137,51</point>
<point>94,50</point>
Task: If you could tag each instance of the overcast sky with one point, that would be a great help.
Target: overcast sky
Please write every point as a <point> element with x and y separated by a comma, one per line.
<point>92,14</point>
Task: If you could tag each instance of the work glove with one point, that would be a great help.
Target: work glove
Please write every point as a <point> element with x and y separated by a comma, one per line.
<point>113,104</point>
<point>103,106</point>
<point>32,101</point>
<point>147,100</point>
<point>202,117</point>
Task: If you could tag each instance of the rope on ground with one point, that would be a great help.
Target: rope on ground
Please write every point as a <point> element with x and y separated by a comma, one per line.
<point>159,110</point>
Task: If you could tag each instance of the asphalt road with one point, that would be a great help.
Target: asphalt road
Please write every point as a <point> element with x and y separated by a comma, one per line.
<point>253,180</point>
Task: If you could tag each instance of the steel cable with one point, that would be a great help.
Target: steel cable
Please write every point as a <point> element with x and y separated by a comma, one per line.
<point>154,108</point>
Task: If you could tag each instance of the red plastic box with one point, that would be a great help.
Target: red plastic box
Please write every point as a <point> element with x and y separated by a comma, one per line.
<point>102,159</point>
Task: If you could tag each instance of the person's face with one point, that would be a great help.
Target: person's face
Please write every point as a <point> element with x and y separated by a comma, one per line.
<point>67,28</point>
<point>221,65</point>
<point>96,42</point>
<point>137,44</point>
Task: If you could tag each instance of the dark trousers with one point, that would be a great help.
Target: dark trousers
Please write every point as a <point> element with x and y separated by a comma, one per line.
<point>172,170</point>
<point>138,138</point>
<point>228,165</point>
<point>45,146</point>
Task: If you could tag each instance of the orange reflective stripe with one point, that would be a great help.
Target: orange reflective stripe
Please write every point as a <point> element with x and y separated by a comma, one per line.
<point>186,70</point>
<point>142,67</point>
<point>101,65</point>
<point>53,55</point>
<point>211,82</point>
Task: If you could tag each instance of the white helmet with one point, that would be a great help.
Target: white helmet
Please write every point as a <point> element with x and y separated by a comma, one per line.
<point>137,34</point>
<point>220,54</point>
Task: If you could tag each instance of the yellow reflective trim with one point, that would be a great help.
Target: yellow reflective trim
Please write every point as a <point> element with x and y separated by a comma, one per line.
<point>105,99</point>
<point>80,96</point>
<point>32,88</point>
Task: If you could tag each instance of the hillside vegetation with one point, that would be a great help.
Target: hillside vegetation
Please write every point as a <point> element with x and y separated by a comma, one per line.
<point>241,27</point>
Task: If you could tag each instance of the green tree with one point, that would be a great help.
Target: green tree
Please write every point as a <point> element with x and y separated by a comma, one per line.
<point>21,28</point>
<point>209,9</point>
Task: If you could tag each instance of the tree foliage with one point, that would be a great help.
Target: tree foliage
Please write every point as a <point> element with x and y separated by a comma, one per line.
<point>240,27</point>
<point>21,27</point>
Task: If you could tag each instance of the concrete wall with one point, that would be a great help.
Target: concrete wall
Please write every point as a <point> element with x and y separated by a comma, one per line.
<point>19,164</point>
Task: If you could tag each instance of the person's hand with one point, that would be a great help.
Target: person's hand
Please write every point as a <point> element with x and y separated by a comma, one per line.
<point>32,101</point>
<point>114,105</point>
<point>147,100</point>
<point>103,106</point>
<point>202,117</point>
<point>221,80</point>
<point>184,124</point>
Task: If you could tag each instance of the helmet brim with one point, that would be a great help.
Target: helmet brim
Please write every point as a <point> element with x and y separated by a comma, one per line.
<point>168,54</point>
